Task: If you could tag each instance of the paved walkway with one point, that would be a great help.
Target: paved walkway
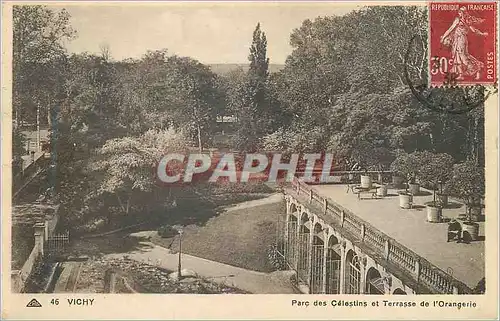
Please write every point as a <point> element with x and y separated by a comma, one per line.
<point>246,280</point>
<point>274,198</point>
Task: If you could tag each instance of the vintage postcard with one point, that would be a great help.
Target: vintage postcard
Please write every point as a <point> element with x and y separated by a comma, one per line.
<point>249,160</point>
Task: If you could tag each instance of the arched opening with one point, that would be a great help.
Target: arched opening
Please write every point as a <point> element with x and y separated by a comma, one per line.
<point>398,291</point>
<point>303,249</point>
<point>318,256</point>
<point>333,266</point>
<point>374,282</point>
<point>352,273</point>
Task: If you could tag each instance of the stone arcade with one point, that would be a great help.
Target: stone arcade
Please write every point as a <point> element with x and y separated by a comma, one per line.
<point>333,251</point>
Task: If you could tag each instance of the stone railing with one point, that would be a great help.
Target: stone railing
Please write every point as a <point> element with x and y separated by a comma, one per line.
<point>19,277</point>
<point>424,272</point>
<point>43,231</point>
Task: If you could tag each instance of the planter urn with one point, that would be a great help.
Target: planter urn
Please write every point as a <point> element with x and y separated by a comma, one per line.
<point>405,200</point>
<point>366,181</point>
<point>434,214</point>
<point>382,190</point>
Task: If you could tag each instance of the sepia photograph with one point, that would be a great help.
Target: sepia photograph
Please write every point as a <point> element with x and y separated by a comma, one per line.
<point>250,148</point>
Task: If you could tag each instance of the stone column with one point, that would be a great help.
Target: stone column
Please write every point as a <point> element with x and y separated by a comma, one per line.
<point>325,256</point>
<point>310,253</point>
<point>297,240</point>
<point>416,275</point>
<point>40,236</point>
<point>286,250</point>
<point>362,269</point>
<point>342,267</point>
<point>386,249</point>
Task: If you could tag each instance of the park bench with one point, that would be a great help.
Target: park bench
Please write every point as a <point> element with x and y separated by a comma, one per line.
<point>358,190</point>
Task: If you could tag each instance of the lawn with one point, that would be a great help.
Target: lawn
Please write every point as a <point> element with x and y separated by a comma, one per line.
<point>239,237</point>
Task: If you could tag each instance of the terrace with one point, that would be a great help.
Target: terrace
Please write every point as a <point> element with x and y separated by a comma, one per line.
<point>409,227</point>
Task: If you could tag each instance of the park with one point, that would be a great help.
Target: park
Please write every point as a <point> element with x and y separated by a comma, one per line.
<point>318,171</point>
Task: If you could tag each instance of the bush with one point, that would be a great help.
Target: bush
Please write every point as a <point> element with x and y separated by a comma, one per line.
<point>167,231</point>
<point>276,260</point>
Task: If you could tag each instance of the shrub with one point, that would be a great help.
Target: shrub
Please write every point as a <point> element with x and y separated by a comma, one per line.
<point>276,260</point>
<point>167,231</point>
<point>468,183</point>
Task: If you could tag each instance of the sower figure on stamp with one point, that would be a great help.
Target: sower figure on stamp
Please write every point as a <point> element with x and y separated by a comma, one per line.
<point>456,38</point>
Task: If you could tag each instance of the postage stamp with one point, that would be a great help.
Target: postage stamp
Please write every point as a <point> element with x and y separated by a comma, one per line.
<point>184,160</point>
<point>462,43</point>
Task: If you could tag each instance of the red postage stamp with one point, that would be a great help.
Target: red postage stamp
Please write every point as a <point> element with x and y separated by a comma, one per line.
<point>462,43</point>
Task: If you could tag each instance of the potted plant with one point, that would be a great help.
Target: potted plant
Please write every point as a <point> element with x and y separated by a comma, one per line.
<point>366,180</point>
<point>405,166</point>
<point>375,157</point>
<point>382,190</point>
<point>467,183</point>
<point>434,170</point>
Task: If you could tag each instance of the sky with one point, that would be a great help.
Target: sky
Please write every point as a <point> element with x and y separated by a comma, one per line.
<point>209,32</point>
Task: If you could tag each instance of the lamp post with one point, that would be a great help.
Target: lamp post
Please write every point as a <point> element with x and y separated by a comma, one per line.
<point>179,230</point>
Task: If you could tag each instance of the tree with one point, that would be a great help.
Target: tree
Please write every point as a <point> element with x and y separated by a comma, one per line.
<point>38,36</point>
<point>250,100</point>
<point>407,165</point>
<point>126,165</point>
<point>435,169</point>
<point>160,91</point>
<point>468,183</point>
<point>259,63</point>
<point>194,97</point>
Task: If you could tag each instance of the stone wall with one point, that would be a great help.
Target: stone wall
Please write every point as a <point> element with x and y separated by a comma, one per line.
<point>42,233</point>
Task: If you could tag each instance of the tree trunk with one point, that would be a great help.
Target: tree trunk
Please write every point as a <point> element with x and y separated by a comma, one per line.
<point>109,218</point>
<point>120,203</point>
<point>127,209</point>
<point>198,128</point>
<point>49,118</point>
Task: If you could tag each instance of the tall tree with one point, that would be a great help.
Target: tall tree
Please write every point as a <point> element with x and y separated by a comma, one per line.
<point>250,101</point>
<point>259,62</point>
<point>38,51</point>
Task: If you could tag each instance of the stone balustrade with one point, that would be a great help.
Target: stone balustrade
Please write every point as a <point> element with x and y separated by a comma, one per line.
<point>415,266</point>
